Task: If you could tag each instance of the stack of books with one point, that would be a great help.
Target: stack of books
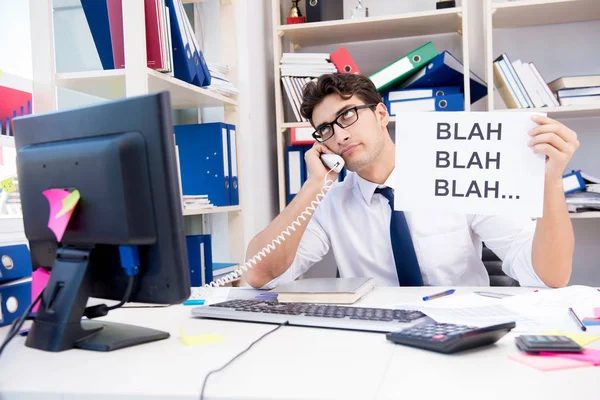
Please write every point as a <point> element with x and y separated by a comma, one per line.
<point>577,90</point>
<point>197,202</point>
<point>219,82</point>
<point>521,85</point>
<point>306,64</point>
<point>297,69</point>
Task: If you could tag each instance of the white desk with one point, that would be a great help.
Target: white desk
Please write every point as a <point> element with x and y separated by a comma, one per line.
<point>292,363</point>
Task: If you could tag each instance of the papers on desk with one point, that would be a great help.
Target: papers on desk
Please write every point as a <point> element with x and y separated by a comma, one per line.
<point>460,310</point>
<point>481,316</point>
<point>537,311</point>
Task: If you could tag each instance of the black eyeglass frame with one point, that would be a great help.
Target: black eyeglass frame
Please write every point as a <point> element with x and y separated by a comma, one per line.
<point>318,137</point>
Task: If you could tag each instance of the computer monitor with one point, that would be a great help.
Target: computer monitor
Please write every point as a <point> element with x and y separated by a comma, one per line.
<point>120,155</point>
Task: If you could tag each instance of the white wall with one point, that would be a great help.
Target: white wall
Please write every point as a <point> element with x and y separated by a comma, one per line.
<point>257,120</point>
<point>15,39</point>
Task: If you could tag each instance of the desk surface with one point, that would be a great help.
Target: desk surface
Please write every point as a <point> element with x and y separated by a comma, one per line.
<point>292,363</point>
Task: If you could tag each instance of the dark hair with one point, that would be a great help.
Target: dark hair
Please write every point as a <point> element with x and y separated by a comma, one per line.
<point>345,85</point>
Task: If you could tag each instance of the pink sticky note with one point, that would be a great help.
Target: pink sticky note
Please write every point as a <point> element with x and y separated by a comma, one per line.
<point>39,280</point>
<point>55,199</point>
<point>597,312</point>
<point>587,355</point>
<point>547,363</point>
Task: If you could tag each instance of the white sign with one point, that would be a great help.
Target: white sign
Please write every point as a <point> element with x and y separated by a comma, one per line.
<point>468,162</point>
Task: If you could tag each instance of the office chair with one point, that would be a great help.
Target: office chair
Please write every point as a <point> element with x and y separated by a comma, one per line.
<point>493,265</point>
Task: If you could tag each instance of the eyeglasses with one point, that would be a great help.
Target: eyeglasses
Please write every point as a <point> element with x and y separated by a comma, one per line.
<point>343,120</point>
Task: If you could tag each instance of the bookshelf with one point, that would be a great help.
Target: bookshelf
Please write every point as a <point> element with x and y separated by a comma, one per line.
<point>292,38</point>
<point>137,79</point>
<point>530,13</point>
<point>537,13</point>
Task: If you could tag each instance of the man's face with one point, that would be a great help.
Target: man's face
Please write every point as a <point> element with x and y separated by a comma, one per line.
<point>360,143</point>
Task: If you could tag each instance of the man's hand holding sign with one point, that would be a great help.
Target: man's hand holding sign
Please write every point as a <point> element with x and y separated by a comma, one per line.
<point>495,163</point>
<point>554,242</point>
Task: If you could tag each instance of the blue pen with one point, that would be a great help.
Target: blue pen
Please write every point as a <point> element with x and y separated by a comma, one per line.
<point>441,294</point>
<point>193,302</point>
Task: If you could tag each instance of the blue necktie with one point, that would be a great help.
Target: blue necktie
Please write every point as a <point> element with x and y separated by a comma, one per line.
<point>407,265</point>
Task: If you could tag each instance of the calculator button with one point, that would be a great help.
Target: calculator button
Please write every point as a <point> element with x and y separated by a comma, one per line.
<point>541,339</point>
<point>438,338</point>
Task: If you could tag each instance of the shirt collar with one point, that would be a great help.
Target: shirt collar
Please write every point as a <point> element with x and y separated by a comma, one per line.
<point>367,188</point>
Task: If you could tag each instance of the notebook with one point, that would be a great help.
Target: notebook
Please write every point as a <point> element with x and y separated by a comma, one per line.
<point>324,290</point>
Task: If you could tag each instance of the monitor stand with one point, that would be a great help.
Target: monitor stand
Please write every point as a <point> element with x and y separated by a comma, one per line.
<point>58,321</point>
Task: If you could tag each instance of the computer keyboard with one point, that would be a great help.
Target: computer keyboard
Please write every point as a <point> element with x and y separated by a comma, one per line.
<point>315,315</point>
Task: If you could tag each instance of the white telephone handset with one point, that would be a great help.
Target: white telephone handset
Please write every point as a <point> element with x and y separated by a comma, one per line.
<point>335,163</point>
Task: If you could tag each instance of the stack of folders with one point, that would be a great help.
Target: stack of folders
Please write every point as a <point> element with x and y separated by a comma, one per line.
<point>431,99</point>
<point>521,85</point>
<point>208,162</point>
<point>219,82</point>
<point>297,171</point>
<point>15,282</point>
<point>577,90</point>
<point>203,269</point>
<point>297,69</point>
<point>171,45</point>
<point>425,80</point>
<point>582,191</point>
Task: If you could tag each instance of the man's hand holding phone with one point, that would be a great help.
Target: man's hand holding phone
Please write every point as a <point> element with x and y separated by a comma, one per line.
<point>317,169</point>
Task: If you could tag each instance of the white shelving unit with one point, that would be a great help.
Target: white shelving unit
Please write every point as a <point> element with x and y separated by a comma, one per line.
<point>290,38</point>
<point>527,13</point>
<point>110,84</point>
<point>136,79</point>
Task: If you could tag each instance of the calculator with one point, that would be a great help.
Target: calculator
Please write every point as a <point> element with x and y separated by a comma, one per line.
<point>449,338</point>
<point>553,343</point>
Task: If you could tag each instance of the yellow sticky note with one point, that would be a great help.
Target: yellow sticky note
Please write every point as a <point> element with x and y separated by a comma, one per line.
<point>69,203</point>
<point>8,185</point>
<point>194,340</point>
<point>582,339</point>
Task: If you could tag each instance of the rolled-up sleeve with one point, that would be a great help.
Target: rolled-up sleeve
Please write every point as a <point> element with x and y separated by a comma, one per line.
<point>511,239</point>
<point>312,248</point>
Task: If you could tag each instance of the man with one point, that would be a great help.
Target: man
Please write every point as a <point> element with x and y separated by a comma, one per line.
<point>355,219</point>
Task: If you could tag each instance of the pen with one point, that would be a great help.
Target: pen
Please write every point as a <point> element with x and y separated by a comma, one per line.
<point>193,302</point>
<point>576,318</point>
<point>494,295</point>
<point>441,294</point>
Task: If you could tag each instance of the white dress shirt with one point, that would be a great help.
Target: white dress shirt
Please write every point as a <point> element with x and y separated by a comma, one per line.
<point>354,222</point>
